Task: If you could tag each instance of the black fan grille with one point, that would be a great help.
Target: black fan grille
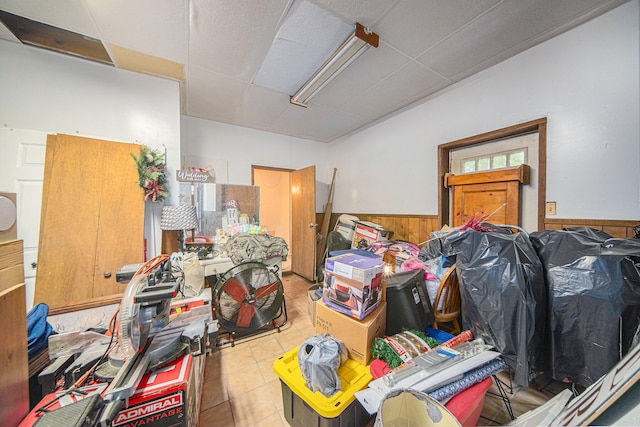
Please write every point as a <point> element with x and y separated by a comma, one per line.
<point>251,277</point>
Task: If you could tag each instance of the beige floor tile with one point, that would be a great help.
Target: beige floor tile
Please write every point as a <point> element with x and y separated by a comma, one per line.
<point>253,406</point>
<point>212,366</point>
<point>219,415</point>
<point>266,348</point>
<point>237,357</point>
<point>273,420</point>
<point>214,391</point>
<point>275,388</point>
<point>266,369</point>
<point>290,339</point>
<point>284,421</point>
<point>240,380</point>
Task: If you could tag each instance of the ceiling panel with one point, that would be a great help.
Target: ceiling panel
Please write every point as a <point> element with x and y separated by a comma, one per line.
<point>408,84</point>
<point>218,46</point>
<point>335,125</point>
<point>372,67</point>
<point>261,107</point>
<point>426,23</point>
<point>70,15</point>
<point>365,12</point>
<point>511,28</point>
<point>149,26</point>
<point>299,120</point>
<point>232,37</point>
<point>213,96</point>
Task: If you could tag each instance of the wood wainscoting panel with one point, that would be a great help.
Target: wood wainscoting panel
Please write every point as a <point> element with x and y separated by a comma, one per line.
<point>409,228</point>
<point>616,228</point>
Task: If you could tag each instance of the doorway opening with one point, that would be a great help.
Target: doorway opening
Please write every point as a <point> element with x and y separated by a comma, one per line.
<point>275,203</point>
<point>445,151</point>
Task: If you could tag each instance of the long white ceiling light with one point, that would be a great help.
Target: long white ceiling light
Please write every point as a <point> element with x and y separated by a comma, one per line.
<point>350,50</point>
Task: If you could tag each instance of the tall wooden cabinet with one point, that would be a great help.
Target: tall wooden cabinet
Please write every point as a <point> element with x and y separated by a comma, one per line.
<point>92,222</point>
<point>14,363</point>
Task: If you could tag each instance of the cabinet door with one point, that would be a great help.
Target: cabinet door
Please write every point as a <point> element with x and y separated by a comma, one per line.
<point>91,223</point>
<point>495,194</point>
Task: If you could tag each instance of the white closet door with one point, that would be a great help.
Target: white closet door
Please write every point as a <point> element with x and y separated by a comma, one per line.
<point>21,172</point>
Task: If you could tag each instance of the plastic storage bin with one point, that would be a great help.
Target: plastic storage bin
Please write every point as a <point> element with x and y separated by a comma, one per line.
<point>303,408</point>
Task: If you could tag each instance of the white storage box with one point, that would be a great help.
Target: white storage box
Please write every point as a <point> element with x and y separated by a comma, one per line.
<point>346,225</point>
<point>366,233</point>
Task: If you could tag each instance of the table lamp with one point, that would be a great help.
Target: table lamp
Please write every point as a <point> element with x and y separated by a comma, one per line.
<point>180,218</point>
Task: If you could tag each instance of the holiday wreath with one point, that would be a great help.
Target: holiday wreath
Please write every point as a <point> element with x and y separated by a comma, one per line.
<point>150,164</point>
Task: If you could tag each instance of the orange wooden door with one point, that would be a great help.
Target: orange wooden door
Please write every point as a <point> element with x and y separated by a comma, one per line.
<point>495,194</point>
<point>303,222</point>
<point>91,224</point>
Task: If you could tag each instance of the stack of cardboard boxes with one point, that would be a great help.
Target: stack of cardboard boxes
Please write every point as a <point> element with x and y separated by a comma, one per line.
<point>353,306</point>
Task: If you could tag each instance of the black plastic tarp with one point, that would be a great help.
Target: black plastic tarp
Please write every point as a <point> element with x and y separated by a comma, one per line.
<point>504,297</point>
<point>594,300</point>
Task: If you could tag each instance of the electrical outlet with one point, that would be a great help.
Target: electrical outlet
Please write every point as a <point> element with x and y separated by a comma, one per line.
<point>551,208</point>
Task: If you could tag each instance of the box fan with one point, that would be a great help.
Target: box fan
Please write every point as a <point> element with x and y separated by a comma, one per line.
<point>249,299</point>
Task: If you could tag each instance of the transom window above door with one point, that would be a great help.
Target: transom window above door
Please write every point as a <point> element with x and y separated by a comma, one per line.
<point>494,161</point>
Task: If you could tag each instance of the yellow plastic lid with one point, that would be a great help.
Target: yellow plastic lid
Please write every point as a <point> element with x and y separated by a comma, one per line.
<point>353,376</point>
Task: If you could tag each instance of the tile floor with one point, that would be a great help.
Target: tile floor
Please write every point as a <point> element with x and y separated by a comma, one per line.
<point>240,388</point>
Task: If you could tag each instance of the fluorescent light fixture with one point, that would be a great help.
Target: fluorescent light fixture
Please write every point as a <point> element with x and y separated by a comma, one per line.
<point>351,49</point>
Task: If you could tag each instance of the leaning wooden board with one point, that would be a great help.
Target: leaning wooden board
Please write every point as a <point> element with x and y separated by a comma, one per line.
<point>14,375</point>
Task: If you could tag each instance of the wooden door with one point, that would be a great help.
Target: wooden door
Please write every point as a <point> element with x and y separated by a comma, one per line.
<point>495,193</point>
<point>303,222</point>
<point>91,223</point>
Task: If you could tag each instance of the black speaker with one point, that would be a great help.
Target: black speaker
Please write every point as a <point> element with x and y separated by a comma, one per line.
<point>408,304</point>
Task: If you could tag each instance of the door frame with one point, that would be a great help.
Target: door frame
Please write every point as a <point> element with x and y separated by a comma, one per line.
<point>538,125</point>
<point>274,169</point>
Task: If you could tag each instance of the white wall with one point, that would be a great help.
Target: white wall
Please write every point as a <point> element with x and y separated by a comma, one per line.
<point>44,92</point>
<point>242,147</point>
<point>586,82</point>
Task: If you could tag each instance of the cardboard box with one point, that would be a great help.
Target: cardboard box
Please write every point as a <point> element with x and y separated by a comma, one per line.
<point>357,335</point>
<point>353,284</point>
<point>11,264</point>
<point>366,233</point>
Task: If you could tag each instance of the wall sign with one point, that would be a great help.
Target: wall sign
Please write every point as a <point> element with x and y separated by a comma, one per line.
<point>195,175</point>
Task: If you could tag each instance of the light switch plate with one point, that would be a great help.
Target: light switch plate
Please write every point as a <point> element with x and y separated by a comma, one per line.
<point>551,208</point>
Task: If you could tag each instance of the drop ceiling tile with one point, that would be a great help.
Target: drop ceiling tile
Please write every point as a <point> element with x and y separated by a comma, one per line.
<point>370,68</point>
<point>365,12</point>
<point>161,33</point>
<point>70,15</point>
<point>139,62</point>
<point>299,119</point>
<point>508,29</point>
<point>414,26</point>
<point>334,126</point>
<point>232,37</point>
<point>405,86</point>
<point>212,96</point>
<point>309,35</point>
<point>261,107</point>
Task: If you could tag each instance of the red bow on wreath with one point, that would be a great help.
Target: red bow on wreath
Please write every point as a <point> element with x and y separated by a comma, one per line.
<point>153,190</point>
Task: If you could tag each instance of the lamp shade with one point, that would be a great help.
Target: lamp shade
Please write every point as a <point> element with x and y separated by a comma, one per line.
<point>183,217</point>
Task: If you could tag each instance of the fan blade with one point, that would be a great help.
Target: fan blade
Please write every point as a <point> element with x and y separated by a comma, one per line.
<point>245,315</point>
<point>266,290</point>
<point>235,289</point>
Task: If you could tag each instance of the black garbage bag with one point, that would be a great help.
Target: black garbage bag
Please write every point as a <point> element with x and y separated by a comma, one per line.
<point>594,300</point>
<point>504,297</point>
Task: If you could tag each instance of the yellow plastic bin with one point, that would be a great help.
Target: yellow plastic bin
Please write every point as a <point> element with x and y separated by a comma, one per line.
<point>303,408</point>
